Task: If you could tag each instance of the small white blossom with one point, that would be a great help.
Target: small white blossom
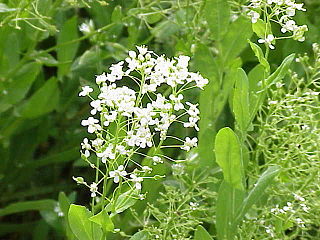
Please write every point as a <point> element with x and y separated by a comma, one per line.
<point>268,40</point>
<point>101,78</point>
<point>156,160</point>
<point>85,91</point>
<point>189,143</point>
<point>117,174</point>
<point>137,181</point>
<point>93,189</point>
<point>92,124</point>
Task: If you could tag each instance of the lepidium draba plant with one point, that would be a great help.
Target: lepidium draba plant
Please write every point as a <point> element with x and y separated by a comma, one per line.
<point>131,122</point>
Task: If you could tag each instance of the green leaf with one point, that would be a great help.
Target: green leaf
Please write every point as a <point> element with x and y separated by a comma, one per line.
<point>259,54</point>
<point>257,192</point>
<point>66,51</point>
<point>46,59</point>
<point>217,14</point>
<point>123,202</point>
<point>241,99</point>
<point>205,63</point>
<point>255,76</point>
<point>281,71</point>
<point>201,234</point>
<point>236,39</point>
<point>117,14</point>
<point>261,28</point>
<point>19,86</point>
<point>228,156</point>
<point>38,205</point>
<point>142,235</point>
<point>103,220</point>
<point>80,224</point>
<point>64,203</point>
<point>228,203</point>
<point>42,101</point>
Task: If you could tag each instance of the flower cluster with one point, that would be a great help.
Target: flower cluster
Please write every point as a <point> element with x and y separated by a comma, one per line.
<point>126,121</point>
<point>280,12</point>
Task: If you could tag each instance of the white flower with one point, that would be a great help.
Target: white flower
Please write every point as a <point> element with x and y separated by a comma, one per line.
<point>254,16</point>
<point>93,189</point>
<point>110,118</point>
<point>132,54</point>
<point>268,40</point>
<point>116,174</point>
<point>97,143</point>
<point>85,145</point>
<point>57,209</point>
<point>101,78</point>
<point>189,143</point>
<point>92,124</point>
<point>183,61</point>
<point>289,26</point>
<point>156,160</point>
<point>137,181</point>
<point>86,27</point>
<point>142,50</point>
<point>96,104</point>
<point>85,91</point>
<point>177,101</point>
<point>108,153</point>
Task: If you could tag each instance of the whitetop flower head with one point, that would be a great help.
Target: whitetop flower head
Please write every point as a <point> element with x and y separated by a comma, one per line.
<point>130,122</point>
<point>278,12</point>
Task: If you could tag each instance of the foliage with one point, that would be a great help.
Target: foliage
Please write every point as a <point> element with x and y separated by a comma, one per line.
<point>258,120</point>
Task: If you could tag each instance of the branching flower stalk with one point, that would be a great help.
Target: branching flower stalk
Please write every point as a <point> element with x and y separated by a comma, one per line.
<point>263,13</point>
<point>132,123</point>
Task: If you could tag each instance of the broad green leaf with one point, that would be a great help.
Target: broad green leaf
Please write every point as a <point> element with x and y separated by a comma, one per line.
<point>201,234</point>
<point>217,14</point>
<point>259,54</point>
<point>257,192</point>
<point>64,203</point>
<point>275,77</point>
<point>255,76</point>
<point>27,206</point>
<point>241,99</point>
<point>43,101</point>
<point>142,235</point>
<point>19,85</point>
<point>205,63</point>
<point>67,51</point>
<point>236,39</point>
<point>228,156</point>
<point>103,220</point>
<point>80,224</point>
<point>228,203</point>
<point>281,71</point>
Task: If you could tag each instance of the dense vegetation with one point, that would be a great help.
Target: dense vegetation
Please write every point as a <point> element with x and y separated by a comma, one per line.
<point>203,122</point>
